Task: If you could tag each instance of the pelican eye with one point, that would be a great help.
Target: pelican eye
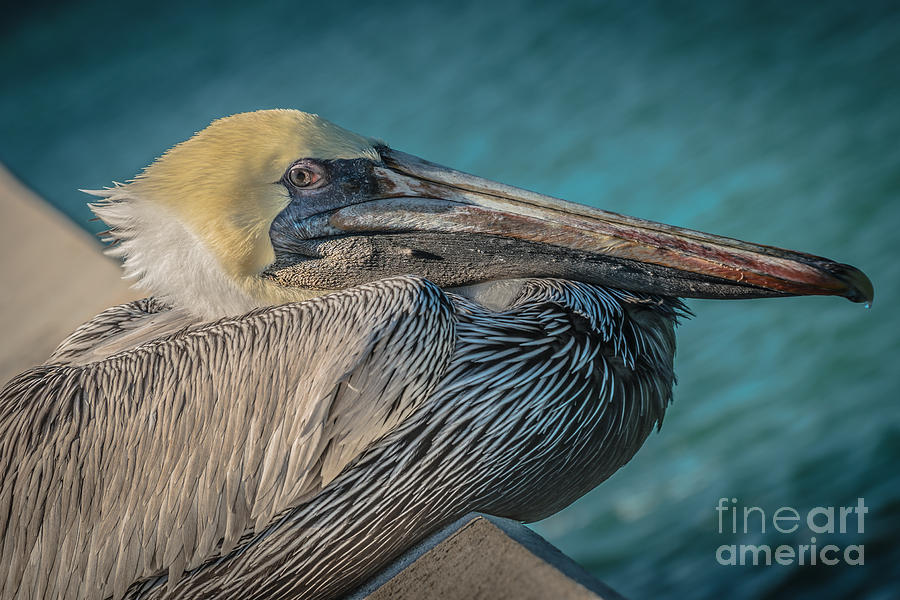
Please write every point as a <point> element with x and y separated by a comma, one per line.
<point>304,176</point>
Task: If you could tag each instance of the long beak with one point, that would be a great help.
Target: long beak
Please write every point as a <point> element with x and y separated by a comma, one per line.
<point>591,244</point>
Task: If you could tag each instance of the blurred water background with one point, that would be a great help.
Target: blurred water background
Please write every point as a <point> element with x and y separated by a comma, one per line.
<point>773,122</point>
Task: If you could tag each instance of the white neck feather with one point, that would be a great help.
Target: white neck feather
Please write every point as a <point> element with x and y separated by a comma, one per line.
<point>165,258</point>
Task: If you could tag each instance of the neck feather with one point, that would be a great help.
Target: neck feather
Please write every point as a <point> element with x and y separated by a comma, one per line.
<point>165,258</point>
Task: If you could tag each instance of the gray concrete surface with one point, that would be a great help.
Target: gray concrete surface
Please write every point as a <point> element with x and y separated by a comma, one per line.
<point>53,277</point>
<point>481,556</point>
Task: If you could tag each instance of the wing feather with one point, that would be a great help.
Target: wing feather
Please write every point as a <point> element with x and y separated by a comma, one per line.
<point>163,456</point>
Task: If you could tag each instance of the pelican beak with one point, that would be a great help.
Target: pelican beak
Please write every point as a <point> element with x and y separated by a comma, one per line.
<point>501,232</point>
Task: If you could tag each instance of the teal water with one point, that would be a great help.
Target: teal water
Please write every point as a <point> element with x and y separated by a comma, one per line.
<point>772,122</point>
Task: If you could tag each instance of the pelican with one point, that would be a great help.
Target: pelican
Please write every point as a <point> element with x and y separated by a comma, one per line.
<point>346,348</point>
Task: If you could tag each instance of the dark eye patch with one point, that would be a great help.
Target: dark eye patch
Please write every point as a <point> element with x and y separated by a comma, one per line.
<point>343,182</point>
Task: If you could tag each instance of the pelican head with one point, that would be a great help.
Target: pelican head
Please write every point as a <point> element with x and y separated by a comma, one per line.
<point>276,206</point>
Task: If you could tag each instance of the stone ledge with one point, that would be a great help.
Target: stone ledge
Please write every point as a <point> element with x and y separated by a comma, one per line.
<point>53,278</point>
<point>480,556</point>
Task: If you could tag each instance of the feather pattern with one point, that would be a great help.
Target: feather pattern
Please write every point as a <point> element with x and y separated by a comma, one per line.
<point>293,451</point>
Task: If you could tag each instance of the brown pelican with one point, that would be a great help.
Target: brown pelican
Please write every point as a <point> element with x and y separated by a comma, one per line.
<point>347,347</point>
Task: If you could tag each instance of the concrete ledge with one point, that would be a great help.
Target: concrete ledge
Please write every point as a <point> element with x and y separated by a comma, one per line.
<point>53,278</point>
<point>481,556</point>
